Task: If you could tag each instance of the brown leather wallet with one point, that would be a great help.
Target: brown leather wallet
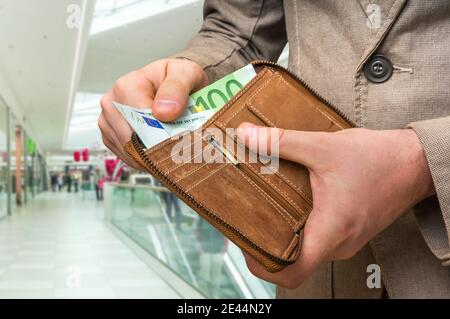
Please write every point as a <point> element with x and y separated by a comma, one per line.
<point>264,214</point>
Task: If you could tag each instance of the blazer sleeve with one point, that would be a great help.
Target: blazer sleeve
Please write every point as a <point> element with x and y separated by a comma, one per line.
<point>235,32</point>
<point>434,136</point>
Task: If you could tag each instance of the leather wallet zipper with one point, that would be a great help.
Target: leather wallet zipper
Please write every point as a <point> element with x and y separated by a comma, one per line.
<point>137,144</point>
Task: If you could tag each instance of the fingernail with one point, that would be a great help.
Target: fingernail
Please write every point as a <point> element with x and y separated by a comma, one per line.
<point>165,105</point>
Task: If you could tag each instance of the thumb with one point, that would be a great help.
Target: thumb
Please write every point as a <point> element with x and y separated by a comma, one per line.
<point>297,146</point>
<point>181,79</point>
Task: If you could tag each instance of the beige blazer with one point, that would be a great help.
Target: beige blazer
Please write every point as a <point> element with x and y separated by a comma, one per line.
<point>329,42</point>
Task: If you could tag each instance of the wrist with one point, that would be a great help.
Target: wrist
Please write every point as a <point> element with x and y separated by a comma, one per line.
<point>423,182</point>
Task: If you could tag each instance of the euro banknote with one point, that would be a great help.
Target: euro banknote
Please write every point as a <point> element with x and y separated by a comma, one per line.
<point>200,107</point>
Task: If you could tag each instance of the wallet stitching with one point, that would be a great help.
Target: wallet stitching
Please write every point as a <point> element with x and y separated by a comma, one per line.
<point>289,199</point>
<point>205,178</point>
<point>184,163</point>
<point>287,180</point>
<point>253,109</point>
<point>270,200</point>
<point>163,143</point>
<point>216,118</point>
<point>196,169</point>
<point>190,173</point>
<point>291,245</point>
<point>250,100</point>
<point>171,155</point>
<point>322,112</point>
<point>222,125</point>
<point>239,231</point>
<point>267,120</point>
<point>330,118</point>
<point>253,96</point>
<point>258,112</point>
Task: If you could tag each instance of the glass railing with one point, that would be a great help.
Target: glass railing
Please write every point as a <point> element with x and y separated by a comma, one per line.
<point>170,231</point>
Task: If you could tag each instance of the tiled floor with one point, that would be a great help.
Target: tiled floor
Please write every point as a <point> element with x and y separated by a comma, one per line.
<point>58,247</point>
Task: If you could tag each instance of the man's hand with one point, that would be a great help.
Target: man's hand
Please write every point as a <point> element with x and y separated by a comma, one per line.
<point>164,86</point>
<point>362,181</point>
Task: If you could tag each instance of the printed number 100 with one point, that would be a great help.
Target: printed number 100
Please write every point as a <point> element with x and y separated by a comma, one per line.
<point>216,98</point>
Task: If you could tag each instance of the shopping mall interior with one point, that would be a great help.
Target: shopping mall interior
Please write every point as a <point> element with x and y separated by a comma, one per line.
<point>76,222</point>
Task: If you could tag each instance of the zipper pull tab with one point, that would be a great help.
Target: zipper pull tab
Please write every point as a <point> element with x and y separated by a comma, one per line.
<point>211,140</point>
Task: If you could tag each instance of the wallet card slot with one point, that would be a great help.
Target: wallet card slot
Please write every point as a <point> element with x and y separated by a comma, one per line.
<point>175,162</point>
<point>297,201</point>
<point>276,187</point>
<point>254,109</point>
<point>297,209</point>
<point>293,100</point>
<point>223,187</point>
<point>232,118</point>
<point>296,212</point>
<point>168,159</point>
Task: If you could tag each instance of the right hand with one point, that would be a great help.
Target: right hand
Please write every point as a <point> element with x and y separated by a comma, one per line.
<point>163,86</point>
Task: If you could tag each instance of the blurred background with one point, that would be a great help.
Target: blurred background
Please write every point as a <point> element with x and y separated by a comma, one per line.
<point>75,222</point>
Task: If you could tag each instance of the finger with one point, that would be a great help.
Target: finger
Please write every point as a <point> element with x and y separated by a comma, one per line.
<point>308,148</point>
<point>123,156</point>
<point>181,79</point>
<point>111,142</point>
<point>122,131</point>
<point>310,258</point>
<point>136,89</point>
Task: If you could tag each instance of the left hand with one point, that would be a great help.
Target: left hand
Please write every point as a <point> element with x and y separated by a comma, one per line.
<point>362,181</point>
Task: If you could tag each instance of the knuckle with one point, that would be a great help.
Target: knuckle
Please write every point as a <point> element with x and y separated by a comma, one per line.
<point>104,103</point>
<point>135,80</point>
<point>121,84</point>
<point>102,125</point>
<point>105,141</point>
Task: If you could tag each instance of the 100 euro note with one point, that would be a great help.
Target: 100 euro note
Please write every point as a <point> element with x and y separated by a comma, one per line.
<point>201,106</point>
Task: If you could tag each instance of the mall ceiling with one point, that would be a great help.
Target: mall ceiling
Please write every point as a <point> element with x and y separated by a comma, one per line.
<point>121,42</point>
<point>40,62</point>
<point>43,62</point>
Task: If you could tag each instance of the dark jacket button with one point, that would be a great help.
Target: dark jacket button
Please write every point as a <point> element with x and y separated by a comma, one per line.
<point>378,69</point>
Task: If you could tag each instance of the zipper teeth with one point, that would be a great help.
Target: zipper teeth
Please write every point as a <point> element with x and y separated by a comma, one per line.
<point>137,145</point>
<point>307,87</point>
